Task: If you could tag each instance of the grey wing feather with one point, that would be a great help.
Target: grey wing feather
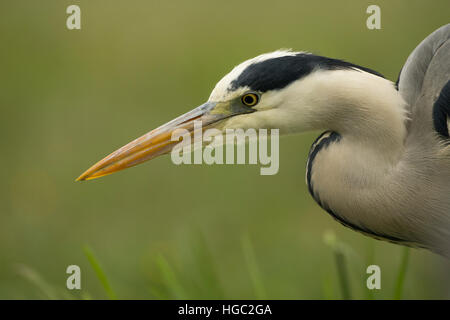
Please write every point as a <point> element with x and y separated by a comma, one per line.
<point>423,79</point>
<point>416,69</point>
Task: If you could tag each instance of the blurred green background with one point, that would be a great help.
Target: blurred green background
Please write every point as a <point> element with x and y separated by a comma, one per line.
<point>68,98</point>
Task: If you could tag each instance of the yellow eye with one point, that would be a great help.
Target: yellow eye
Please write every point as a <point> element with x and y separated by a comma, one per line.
<point>250,99</point>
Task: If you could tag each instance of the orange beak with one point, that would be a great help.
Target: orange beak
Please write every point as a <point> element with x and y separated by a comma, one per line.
<point>153,144</point>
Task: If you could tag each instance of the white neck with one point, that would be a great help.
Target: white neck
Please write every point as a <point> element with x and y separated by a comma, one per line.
<point>363,108</point>
<point>359,172</point>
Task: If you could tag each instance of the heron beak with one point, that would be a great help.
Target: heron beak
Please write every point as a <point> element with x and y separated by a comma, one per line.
<point>158,141</point>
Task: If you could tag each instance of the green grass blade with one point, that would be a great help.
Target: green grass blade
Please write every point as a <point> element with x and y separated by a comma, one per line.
<point>158,294</point>
<point>35,278</point>
<point>255,274</point>
<point>341,265</point>
<point>170,279</point>
<point>205,279</point>
<point>339,251</point>
<point>327,287</point>
<point>401,274</point>
<point>99,272</point>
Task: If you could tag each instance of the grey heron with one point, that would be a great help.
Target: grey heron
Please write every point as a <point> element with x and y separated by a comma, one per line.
<point>382,165</point>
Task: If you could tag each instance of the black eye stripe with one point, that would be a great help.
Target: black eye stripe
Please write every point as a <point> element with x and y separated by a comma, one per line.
<point>277,73</point>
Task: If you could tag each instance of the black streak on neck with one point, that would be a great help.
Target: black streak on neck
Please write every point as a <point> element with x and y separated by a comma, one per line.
<point>319,144</point>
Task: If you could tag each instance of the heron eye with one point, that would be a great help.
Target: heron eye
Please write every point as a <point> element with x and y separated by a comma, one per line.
<point>250,99</point>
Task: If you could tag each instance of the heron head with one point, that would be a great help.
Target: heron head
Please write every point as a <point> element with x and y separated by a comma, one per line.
<point>264,92</point>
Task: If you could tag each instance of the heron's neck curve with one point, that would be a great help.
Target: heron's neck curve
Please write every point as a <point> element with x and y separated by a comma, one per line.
<point>354,174</point>
<point>366,110</point>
